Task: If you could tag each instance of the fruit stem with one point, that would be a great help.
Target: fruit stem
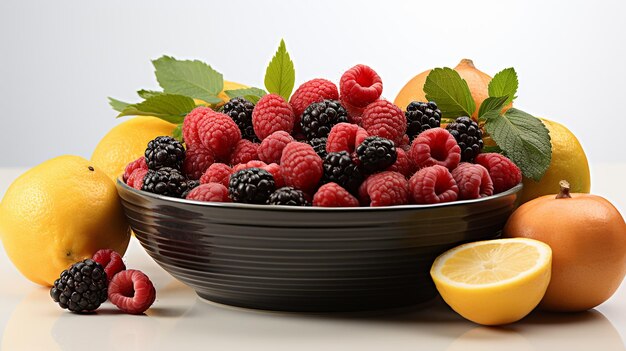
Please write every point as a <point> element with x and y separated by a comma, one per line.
<point>467,62</point>
<point>564,193</point>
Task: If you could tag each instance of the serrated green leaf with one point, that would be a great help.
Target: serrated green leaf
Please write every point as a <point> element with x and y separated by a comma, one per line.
<point>145,94</point>
<point>194,79</point>
<point>450,91</point>
<point>523,138</point>
<point>504,83</point>
<point>118,105</point>
<point>177,133</point>
<point>493,103</point>
<point>246,92</point>
<point>280,76</point>
<point>252,98</point>
<point>170,107</point>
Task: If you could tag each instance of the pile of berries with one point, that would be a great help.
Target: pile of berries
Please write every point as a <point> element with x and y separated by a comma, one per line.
<point>87,284</point>
<point>326,146</point>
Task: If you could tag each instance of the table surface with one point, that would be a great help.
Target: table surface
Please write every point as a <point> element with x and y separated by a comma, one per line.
<point>29,320</point>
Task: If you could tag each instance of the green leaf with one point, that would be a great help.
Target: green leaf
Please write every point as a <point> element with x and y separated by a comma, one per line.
<point>118,105</point>
<point>504,83</point>
<point>170,107</point>
<point>145,94</point>
<point>246,92</point>
<point>450,91</point>
<point>523,138</point>
<point>493,103</point>
<point>177,133</point>
<point>194,79</point>
<point>280,75</point>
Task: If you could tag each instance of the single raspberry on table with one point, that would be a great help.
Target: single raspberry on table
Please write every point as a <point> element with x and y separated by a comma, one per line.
<point>136,178</point>
<point>315,90</point>
<point>217,173</point>
<point>131,291</point>
<point>384,119</point>
<point>360,86</point>
<point>271,148</point>
<point>191,124</point>
<point>197,161</point>
<point>244,151</point>
<point>139,163</point>
<point>272,113</point>
<point>384,189</point>
<point>219,133</point>
<point>301,167</point>
<point>473,181</point>
<point>433,185</point>
<point>503,172</point>
<point>333,195</point>
<point>435,146</point>
<point>209,192</point>
<point>403,164</point>
<point>345,137</point>
<point>110,260</point>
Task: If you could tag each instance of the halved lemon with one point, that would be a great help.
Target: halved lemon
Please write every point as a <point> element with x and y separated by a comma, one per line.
<point>494,282</point>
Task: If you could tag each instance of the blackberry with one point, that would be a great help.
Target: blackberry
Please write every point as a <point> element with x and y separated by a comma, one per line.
<point>165,151</point>
<point>240,110</point>
<point>251,185</point>
<point>191,184</point>
<point>341,169</point>
<point>319,145</point>
<point>376,154</point>
<point>165,181</point>
<point>469,137</point>
<point>421,116</point>
<point>288,196</point>
<point>81,288</point>
<point>319,117</point>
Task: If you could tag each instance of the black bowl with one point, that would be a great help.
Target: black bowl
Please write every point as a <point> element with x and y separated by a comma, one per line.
<point>308,258</point>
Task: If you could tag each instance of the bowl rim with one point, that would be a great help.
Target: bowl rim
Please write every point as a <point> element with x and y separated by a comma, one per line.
<point>233,205</point>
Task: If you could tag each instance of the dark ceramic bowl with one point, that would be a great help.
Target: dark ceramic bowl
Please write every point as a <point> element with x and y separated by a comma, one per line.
<point>308,258</point>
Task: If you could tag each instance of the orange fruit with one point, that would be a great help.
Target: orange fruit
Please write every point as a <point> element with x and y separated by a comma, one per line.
<point>587,235</point>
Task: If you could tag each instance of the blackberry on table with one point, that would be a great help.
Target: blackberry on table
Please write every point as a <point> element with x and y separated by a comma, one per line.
<point>341,169</point>
<point>165,181</point>
<point>81,288</point>
<point>469,137</point>
<point>376,154</point>
<point>319,117</point>
<point>288,196</point>
<point>421,116</point>
<point>319,145</point>
<point>251,185</point>
<point>240,110</point>
<point>164,151</point>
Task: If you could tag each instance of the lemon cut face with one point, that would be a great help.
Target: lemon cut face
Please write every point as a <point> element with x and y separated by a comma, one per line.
<point>495,281</point>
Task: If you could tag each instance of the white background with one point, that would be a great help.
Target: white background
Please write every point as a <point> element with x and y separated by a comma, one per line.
<point>59,60</point>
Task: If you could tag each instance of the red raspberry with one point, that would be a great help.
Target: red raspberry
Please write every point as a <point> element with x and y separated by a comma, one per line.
<point>405,144</point>
<point>272,113</point>
<point>219,133</point>
<point>333,195</point>
<point>131,167</point>
<point>197,160</point>
<point>136,178</point>
<point>360,86</point>
<point>315,90</point>
<point>271,148</point>
<point>273,168</point>
<point>384,189</point>
<point>435,146</point>
<point>473,181</point>
<point>110,260</point>
<point>249,164</point>
<point>301,167</point>
<point>355,114</point>
<point>403,164</point>
<point>217,173</point>
<point>384,119</point>
<point>131,291</point>
<point>244,151</point>
<point>191,123</point>
<point>345,137</point>
<point>209,192</point>
<point>433,185</point>
<point>503,172</point>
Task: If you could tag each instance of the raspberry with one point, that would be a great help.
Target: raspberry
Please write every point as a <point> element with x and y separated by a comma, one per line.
<point>473,181</point>
<point>341,169</point>
<point>315,90</point>
<point>191,123</point>
<point>110,260</point>
<point>345,137</point>
<point>271,148</point>
<point>503,172</point>
<point>272,113</point>
<point>244,151</point>
<point>209,192</point>
<point>319,118</point>
<point>139,163</point>
<point>469,137</point>
<point>288,196</point>
<point>385,189</point>
<point>360,86</point>
<point>433,185</point>
<point>197,161</point>
<point>164,151</point>
<point>355,114</point>
<point>405,144</point>
<point>217,173</point>
<point>81,288</point>
<point>136,178</point>
<point>333,195</point>
<point>384,119</point>
<point>219,133</point>
<point>131,291</point>
<point>435,146</point>
<point>301,167</point>
<point>403,164</point>
<point>240,110</point>
<point>376,154</point>
<point>249,164</point>
<point>251,185</point>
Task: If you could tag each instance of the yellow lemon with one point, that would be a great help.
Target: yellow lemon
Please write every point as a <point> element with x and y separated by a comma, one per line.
<point>58,213</point>
<point>568,162</point>
<point>494,282</point>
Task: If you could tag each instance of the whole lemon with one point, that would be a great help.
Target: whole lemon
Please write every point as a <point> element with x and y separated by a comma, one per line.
<point>58,213</point>
<point>568,162</point>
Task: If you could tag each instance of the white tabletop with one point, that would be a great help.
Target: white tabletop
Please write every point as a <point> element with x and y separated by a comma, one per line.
<point>179,320</point>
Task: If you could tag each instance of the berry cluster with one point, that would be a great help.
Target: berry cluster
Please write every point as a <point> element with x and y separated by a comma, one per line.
<point>327,146</point>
